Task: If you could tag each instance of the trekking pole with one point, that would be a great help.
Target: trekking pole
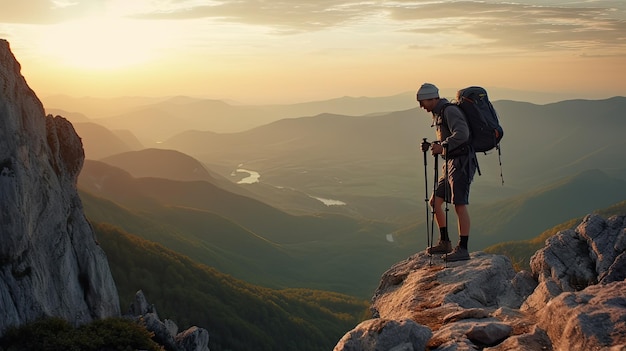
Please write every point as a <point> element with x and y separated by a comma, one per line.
<point>500,161</point>
<point>428,242</point>
<point>446,185</point>
<point>432,221</point>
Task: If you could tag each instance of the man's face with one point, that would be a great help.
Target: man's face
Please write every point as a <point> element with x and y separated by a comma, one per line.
<point>428,104</point>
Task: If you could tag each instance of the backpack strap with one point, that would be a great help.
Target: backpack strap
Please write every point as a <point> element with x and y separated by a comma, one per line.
<point>467,144</point>
<point>464,148</point>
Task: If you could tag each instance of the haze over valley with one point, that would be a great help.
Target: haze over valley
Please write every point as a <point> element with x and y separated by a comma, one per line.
<point>334,199</point>
<point>253,168</point>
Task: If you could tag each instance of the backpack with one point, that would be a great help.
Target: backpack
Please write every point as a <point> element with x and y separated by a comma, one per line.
<point>482,119</point>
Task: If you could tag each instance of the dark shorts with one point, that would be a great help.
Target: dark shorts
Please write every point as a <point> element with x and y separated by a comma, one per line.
<point>460,175</point>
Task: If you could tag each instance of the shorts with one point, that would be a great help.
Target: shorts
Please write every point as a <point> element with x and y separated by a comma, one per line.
<point>461,172</point>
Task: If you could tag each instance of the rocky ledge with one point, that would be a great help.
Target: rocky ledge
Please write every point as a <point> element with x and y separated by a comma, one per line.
<point>574,299</point>
<point>166,331</point>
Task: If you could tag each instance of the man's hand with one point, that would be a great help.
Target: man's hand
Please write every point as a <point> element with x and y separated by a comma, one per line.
<point>436,149</point>
<point>425,146</point>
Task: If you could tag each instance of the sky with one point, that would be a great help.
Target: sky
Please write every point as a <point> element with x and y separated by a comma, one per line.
<point>255,51</point>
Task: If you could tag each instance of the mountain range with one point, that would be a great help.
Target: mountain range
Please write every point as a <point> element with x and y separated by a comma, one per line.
<point>373,158</point>
<point>334,200</point>
<point>280,232</point>
<point>169,115</point>
<point>239,235</point>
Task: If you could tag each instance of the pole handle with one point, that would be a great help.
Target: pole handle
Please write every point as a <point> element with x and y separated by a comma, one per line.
<point>425,161</point>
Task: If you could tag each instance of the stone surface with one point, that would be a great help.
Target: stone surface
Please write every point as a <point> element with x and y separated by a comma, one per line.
<point>50,262</point>
<point>485,281</point>
<point>381,334</point>
<point>535,339</point>
<point>574,298</point>
<point>166,332</point>
<point>586,320</point>
<point>193,339</point>
<point>489,333</point>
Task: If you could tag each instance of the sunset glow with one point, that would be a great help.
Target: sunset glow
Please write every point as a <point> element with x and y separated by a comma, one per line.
<point>278,51</point>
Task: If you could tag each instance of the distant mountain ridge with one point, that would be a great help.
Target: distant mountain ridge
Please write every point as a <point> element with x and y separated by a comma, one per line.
<point>98,108</point>
<point>99,141</point>
<point>240,235</point>
<point>155,119</point>
<point>338,251</point>
<point>523,216</point>
<point>168,164</point>
<point>187,214</point>
<point>542,144</point>
<point>372,163</point>
<point>563,138</point>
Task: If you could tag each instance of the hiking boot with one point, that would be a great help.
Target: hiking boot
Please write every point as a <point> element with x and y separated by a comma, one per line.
<point>459,254</point>
<point>442,247</point>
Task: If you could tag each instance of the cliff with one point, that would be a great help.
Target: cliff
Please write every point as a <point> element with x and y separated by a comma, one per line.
<point>574,299</point>
<point>50,262</point>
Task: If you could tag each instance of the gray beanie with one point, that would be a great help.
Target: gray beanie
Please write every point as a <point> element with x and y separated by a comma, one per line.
<point>427,91</point>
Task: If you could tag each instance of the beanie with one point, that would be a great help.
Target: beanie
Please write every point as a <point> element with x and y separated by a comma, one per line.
<point>427,91</point>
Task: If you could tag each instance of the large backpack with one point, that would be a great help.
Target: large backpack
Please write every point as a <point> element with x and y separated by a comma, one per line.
<point>482,119</point>
<point>485,129</point>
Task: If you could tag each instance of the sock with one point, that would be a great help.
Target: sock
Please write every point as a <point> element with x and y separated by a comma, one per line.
<point>463,241</point>
<point>443,234</point>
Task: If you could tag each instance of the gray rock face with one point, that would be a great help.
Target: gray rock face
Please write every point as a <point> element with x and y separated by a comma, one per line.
<point>574,298</point>
<point>166,332</point>
<point>50,262</point>
<point>381,334</point>
<point>581,298</point>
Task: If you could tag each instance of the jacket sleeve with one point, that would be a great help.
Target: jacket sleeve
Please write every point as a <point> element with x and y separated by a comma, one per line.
<point>459,129</point>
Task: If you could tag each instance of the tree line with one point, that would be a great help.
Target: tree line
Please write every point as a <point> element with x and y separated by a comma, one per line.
<point>237,315</point>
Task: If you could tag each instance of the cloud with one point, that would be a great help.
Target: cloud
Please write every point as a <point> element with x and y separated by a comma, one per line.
<point>519,26</point>
<point>493,24</point>
<point>295,16</point>
<point>46,11</point>
<point>36,11</point>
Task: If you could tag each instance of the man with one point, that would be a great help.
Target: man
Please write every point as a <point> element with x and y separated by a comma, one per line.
<point>453,145</point>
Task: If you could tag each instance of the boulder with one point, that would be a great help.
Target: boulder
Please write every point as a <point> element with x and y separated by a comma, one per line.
<point>166,331</point>
<point>591,319</point>
<point>383,334</point>
<point>415,289</point>
<point>574,298</point>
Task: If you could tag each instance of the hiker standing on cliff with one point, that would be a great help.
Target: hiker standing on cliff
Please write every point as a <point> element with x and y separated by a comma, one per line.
<point>452,144</point>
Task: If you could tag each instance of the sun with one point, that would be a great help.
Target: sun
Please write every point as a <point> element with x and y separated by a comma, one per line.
<point>100,43</point>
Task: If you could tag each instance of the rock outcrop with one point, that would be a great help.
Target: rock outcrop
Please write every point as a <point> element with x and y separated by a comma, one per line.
<point>50,262</point>
<point>574,299</point>
<point>166,331</point>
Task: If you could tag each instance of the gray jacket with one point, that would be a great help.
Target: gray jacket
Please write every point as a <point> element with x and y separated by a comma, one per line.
<point>452,128</point>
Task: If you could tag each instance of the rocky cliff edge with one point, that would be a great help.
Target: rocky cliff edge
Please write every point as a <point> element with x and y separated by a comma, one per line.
<point>574,299</point>
<point>50,262</point>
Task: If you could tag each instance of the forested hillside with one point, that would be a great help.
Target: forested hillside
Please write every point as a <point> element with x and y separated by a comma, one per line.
<point>238,316</point>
